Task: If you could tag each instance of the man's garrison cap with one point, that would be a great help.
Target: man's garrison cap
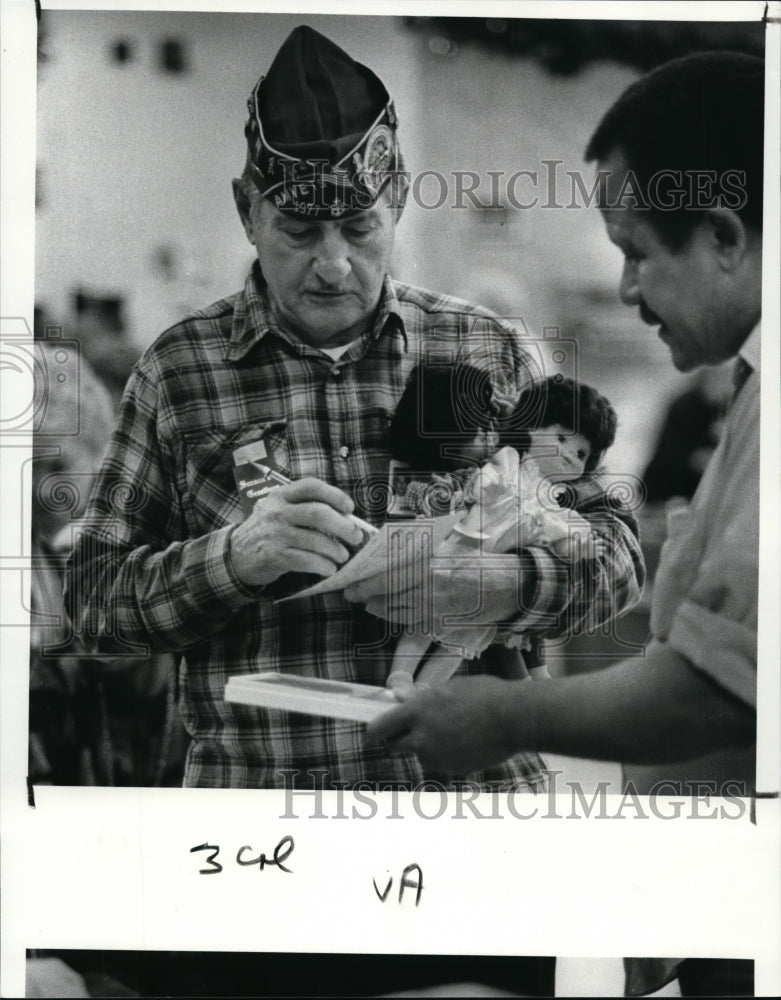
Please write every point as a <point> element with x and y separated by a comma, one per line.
<point>321,132</point>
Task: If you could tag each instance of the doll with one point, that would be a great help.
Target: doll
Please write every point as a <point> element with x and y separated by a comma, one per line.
<point>521,496</point>
<point>444,426</point>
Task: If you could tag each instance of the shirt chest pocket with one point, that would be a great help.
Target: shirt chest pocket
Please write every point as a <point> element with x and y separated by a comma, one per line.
<point>209,492</point>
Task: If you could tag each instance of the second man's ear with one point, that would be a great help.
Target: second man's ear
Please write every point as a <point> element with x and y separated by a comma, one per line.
<point>728,233</point>
<point>243,207</point>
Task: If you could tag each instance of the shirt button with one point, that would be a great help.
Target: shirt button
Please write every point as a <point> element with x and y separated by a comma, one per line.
<point>336,371</point>
<point>344,451</point>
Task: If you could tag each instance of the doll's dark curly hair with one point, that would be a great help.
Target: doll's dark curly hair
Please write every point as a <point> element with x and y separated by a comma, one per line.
<point>442,405</point>
<point>574,405</point>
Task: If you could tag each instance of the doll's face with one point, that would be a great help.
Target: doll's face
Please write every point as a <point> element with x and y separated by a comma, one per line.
<point>482,445</point>
<point>559,452</point>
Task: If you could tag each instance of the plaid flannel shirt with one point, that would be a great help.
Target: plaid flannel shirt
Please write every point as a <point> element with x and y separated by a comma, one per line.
<point>151,562</point>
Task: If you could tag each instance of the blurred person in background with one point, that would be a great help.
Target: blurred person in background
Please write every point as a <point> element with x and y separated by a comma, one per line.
<point>92,722</point>
<point>688,711</point>
<point>688,437</point>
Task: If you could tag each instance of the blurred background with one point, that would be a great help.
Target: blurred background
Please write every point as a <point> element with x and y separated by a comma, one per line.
<point>140,123</point>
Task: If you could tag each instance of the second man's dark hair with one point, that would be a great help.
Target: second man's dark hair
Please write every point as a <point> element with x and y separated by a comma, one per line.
<point>700,113</point>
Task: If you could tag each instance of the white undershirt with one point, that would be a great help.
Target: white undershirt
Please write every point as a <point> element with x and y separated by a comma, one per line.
<point>334,353</point>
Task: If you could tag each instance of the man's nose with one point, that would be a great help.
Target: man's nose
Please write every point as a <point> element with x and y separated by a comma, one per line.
<point>628,289</point>
<point>332,261</point>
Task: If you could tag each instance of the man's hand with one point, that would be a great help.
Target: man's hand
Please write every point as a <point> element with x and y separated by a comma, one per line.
<point>663,709</point>
<point>580,542</point>
<point>299,527</point>
<point>457,727</point>
<point>505,401</point>
<point>471,589</point>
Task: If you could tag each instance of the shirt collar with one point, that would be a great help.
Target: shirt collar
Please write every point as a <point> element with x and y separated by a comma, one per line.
<point>751,349</point>
<point>389,318</point>
<point>253,319</point>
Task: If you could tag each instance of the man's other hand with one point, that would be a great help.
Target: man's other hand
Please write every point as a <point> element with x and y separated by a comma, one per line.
<point>302,527</point>
<point>474,589</point>
<point>457,727</point>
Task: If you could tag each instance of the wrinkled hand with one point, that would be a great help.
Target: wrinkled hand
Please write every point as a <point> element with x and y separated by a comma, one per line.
<point>301,527</point>
<point>454,728</point>
<point>472,589</point>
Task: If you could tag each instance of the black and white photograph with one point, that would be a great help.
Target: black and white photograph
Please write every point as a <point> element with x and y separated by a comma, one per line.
<point>143,974</point>
<point>389,438</point>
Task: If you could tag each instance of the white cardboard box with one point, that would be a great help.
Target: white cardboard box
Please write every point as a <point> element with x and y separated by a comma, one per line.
<point>310,695</point>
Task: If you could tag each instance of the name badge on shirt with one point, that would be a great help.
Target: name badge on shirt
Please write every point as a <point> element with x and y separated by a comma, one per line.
<point>256,475</point>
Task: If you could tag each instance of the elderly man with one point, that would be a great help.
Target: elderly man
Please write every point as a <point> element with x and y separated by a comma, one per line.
<point>307,362</point>
<point>694,273</point>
